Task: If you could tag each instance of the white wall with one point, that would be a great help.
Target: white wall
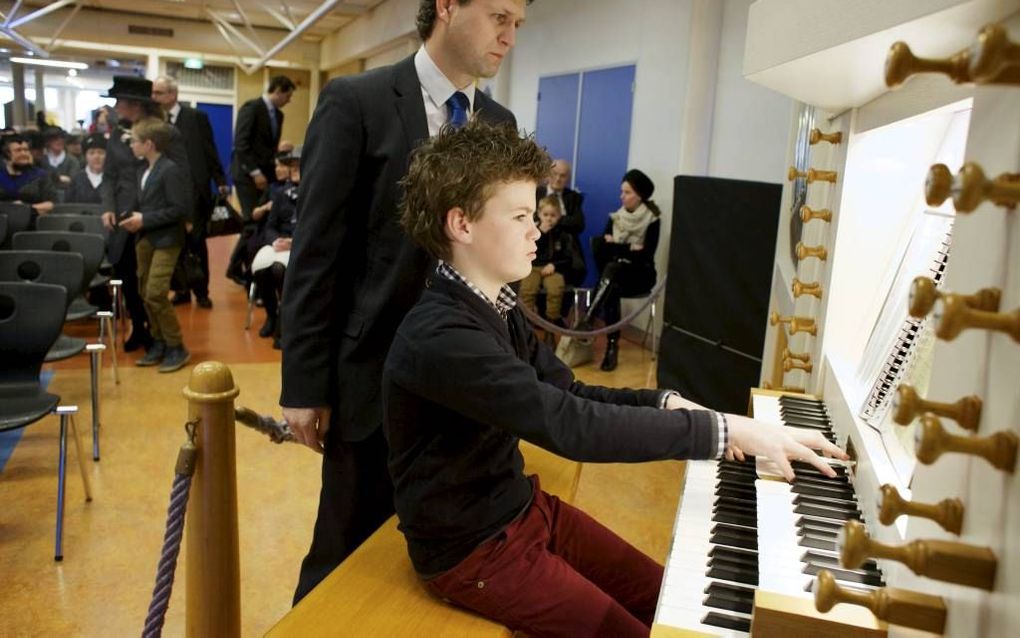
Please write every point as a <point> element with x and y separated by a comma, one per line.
<point>750,123</point>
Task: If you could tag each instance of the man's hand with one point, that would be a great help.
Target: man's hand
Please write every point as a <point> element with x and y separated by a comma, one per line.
<point>109,220</point>
<point>637,247</point>
<point>608,238</point>
<point>281,244</point>
<point>309,426</point>
<point>260,181</point>
<point>132,224</point>
<point>64,179</point>
<point>547,270</point>
<point>780,444</point>
<point>42,208</point>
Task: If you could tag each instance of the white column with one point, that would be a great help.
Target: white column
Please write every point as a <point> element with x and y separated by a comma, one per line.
<point>699,100</point>
<point>152,66</point>
<point>40,92</point>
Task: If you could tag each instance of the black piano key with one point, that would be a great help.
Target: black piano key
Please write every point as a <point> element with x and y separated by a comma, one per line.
<point>727,622</point>
<point>875,580</point>
<point>734,541</point>
<point>807,466</point>
<point>817,490</point>
<point>736,492</point>
<point>730,591</point>
<point>734,530</point>
<point>814,557</point>
<point>732,552</point>
<point>729,604</point>
<point>817,532</point>
<point>817,543</point>
<point>748,577</point>
<point>742,564</point>
<point>826,502</point>
<point>833,526</point>
<point>736,519</point>
<point>826,512</point>
<point>823,481</point>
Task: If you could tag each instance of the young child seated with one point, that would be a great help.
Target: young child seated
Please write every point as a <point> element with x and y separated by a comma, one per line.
<point>553,258</point>
<point>465,380</point>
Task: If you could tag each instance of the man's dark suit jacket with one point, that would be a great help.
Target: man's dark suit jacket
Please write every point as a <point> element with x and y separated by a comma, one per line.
<point>353,273</point>
<point>203,160</point>
<point>573,216</point>
<point>80,190</point>
<point>163,203</point>
<point>254,142</point>
<point>121,173</point>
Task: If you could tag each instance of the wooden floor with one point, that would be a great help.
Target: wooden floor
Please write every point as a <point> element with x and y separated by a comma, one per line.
<point>111,545</point>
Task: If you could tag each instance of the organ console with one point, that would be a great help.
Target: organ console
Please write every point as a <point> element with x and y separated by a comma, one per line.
<point>811,175</point>
<point>885,537</point>
<point>970,187</point>
<point>907,406</point>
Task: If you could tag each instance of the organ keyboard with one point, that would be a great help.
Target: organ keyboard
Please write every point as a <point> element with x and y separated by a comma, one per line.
<point>741,528</point>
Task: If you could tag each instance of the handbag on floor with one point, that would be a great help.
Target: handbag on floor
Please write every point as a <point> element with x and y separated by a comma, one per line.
<point>575,352</point>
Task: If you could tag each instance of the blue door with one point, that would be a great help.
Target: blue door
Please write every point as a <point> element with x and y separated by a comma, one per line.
<point>221,117</point>
<point>556,122</point>
<point>603,146</point>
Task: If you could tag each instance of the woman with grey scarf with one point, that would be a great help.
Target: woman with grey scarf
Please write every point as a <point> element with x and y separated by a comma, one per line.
<point>625,254</point>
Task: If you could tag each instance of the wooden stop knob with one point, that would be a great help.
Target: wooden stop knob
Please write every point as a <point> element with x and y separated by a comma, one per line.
<point>800,288</point>
<point>896,606</point>
<point>947,513</point>
<point>907,406</point>
<point>818,252</point>
<point>924,294</point>
<point>817,136</point>
<point>993,54</point>
<point>811,175</point>
<point>807,214</point>
<point>953,315</point>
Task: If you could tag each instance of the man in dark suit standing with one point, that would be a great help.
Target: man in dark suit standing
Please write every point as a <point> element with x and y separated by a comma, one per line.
<point>256,136</point>
<point>353,273</point>
<point>571,203</point>
<point>204,163</point>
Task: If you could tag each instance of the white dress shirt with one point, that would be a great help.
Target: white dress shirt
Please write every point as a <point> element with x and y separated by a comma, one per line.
<point>94,178</point>
<point>174,112</point>
<point>436,89</point>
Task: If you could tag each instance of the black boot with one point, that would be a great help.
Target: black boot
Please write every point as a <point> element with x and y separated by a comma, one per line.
<point>140,338</point>
<point>269,327</point>
<point>612,350</point>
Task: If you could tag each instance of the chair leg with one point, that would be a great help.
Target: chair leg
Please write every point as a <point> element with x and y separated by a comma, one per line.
<point>251,306</point>
<point>106,319</point>
<point>61,471</point>
<point>81,460</point>
<point>95,350</point>
<point>119,309</point>
<point>651,326</point>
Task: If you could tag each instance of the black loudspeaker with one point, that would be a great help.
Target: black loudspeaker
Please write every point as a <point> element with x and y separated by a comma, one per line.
<point>704,372</point>
<point>721,254</point>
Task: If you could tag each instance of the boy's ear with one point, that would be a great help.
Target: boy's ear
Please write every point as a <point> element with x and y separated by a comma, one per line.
<point>458,226</point>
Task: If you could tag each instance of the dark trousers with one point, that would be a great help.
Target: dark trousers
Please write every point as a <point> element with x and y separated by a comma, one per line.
<point>619,276</point>
<point>356,498</point>
<point>194,244</point>
<point>270,287</point>
<point>556,571</point>
<point>248,196</point>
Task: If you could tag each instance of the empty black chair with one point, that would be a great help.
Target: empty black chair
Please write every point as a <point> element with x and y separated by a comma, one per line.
<point>30,319</point>
<point>74,208</point>
<point>72,222</point>
<point>91,247</point>
<point>64,270</point>
<point>19,217</point>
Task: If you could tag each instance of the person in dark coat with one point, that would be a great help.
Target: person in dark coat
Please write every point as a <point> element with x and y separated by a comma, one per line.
<point>121,173</point>
<point>625,254</point>
<point>353,273</point>
<point>204,163</point>
<point>256,138</point>
<point>22,180</point>
<point>86,185</point>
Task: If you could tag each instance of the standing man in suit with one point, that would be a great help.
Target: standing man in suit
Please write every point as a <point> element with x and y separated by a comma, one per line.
<point>571,203</point>
<point>353,273</point>
<point>204,162</point>
<point>119,190</point>
<point>256,136</point>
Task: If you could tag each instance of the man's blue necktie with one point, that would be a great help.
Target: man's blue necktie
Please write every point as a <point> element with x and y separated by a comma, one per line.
<point>459,105</point>
<point>273,126</point>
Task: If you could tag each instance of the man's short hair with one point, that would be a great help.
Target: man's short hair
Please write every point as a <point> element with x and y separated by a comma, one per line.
<point>7,140</point>
<point>170,82</point>
<point>153,129</point>
<point>281,83</point>
<point>426,19</point>
<point>460,168</point>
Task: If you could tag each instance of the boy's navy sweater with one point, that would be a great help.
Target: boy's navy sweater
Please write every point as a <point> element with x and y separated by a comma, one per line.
<point>462,386</point>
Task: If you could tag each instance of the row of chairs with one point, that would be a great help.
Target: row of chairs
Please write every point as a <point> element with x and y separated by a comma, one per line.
<point>43,276</point>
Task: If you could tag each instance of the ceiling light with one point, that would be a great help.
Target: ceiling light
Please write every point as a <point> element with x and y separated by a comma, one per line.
<point>60,64</point>
<point>72,73</point>
<point>193,63</point>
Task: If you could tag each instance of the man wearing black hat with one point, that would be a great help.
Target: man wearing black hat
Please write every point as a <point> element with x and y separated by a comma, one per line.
<point>121,174</point>
<point>60,162</point>
<point>85,187</point>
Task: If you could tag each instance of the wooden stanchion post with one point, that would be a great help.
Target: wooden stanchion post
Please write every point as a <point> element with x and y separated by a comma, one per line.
<point>213,593</point>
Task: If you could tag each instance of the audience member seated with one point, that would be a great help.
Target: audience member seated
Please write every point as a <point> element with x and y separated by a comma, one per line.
<point>22,180</point>
<point>625,254</point>
<point>552,259</point>
<point>61,164</point>
<point>270,263</point>
<point>84,186</point>
<point>572,220</point>
<point>74,149</point>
